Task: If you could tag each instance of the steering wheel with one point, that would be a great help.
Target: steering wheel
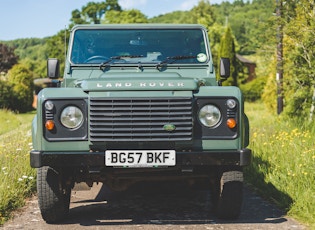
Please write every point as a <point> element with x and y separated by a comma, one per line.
<point>97,59</point>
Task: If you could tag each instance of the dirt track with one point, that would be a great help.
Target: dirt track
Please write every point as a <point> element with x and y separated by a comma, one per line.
<point>152,207</point>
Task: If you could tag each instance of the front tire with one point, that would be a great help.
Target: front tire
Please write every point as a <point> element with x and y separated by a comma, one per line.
<point>53,194</point>
<point>227,193</point>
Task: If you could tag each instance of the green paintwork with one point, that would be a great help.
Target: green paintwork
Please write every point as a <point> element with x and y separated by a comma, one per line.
<point>82,82</point>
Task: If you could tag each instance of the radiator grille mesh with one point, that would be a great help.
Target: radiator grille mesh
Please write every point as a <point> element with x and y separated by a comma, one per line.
<point>140,119</point>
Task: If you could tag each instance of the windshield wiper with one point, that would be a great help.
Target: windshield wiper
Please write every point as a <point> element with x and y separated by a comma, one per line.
<point>107,63</point>
<point>170,60</point>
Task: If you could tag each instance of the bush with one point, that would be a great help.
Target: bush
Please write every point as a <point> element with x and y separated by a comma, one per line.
<point>298,97</point>
<point>253,90</point>
<point>21,80</point>
<point>5,94</point>
<point>269,95</point>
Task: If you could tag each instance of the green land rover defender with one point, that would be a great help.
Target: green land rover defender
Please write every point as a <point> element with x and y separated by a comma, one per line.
<point>139,102</point>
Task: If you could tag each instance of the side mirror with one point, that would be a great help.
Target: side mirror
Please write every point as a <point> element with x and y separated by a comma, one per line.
<point>53,69</point>
<point>224,68</point>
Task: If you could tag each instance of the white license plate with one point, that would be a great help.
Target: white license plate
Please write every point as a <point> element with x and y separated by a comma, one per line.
<point>143,158</point>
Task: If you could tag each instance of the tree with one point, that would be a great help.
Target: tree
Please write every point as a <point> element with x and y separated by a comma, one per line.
<point>93,12</point>
<point>77,18</point>
<point>269,95</point>
<point>57,47</point>
<point>300,58</point>
<point>227,50</point>
<point>173,17</point>
<point>247,19</point>
<point>7,58</point>
<point>126,16</point>
<point>203,14</point>
<point>32,52</point>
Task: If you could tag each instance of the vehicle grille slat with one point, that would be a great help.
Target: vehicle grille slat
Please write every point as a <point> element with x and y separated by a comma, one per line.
<point>110,129</point>
<point>133,120</point>
<point>140,119</point>
<point>125,108</point>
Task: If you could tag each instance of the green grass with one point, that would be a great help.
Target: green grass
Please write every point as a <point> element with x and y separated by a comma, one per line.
<point>16,176</point>
<point>10,121</point>
<point>283,167</point>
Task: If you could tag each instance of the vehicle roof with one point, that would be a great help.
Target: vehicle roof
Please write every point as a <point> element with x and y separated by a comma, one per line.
<point>138,26</point>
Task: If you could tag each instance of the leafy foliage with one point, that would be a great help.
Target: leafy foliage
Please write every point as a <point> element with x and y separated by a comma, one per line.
<point>5,94</point>
<point>247,21</point>
<point>32,52</point>
<point>20,79</point>
<point>253,90</point>
<point>202,14</point>
<point>57,46</point>
<point>7,57</point>
<point>126,16</point>
<point>28,47</point>
<point>173,17</point>
<point>93,12</point>
<point>300,53</point>
<point>269,95</point>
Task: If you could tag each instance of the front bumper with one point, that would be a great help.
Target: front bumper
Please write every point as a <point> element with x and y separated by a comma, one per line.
<point>96,159</point>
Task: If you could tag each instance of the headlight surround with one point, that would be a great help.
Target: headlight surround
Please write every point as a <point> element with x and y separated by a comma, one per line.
<point>71,117</point>
<point>209,115</point>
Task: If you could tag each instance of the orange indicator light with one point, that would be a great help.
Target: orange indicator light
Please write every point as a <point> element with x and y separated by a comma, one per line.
<point>231,123</point>
<point>49,124</point>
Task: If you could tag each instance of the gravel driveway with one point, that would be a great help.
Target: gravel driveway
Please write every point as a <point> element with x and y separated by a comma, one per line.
<point>153,207</point>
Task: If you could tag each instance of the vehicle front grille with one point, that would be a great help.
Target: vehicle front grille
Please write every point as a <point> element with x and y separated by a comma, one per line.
<point>140,119</point>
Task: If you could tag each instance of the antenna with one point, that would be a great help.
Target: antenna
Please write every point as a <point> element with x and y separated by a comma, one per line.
<point>65,43</point>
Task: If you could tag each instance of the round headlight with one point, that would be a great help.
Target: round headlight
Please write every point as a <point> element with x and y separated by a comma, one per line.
<point>71,117</point>
<point>209,115</point>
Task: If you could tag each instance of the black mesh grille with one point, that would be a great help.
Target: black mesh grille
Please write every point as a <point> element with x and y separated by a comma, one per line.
<point>139,119</point>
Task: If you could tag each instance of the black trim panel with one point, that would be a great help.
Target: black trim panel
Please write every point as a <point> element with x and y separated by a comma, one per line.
<point>89,159</point>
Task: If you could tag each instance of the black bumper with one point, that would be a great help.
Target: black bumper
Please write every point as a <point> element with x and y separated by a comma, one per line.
<point>91,159</point>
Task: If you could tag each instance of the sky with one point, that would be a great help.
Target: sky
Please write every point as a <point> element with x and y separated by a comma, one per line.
<point>43,18</point>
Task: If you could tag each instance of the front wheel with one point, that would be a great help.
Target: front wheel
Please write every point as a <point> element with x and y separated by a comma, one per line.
<point>227,193</point>
<point>53,194</point>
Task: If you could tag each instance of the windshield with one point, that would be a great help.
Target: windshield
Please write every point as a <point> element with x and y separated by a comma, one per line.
<point>97,46</point>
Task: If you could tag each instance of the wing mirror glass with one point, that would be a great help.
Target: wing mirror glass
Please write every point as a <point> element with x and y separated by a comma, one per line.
<point>224,68</point>
<point>53,68</point>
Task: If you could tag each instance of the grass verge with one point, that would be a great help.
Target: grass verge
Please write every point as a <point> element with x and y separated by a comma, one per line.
<point>10,121</point>
<point>16,176</point>
<point>283,167</point>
